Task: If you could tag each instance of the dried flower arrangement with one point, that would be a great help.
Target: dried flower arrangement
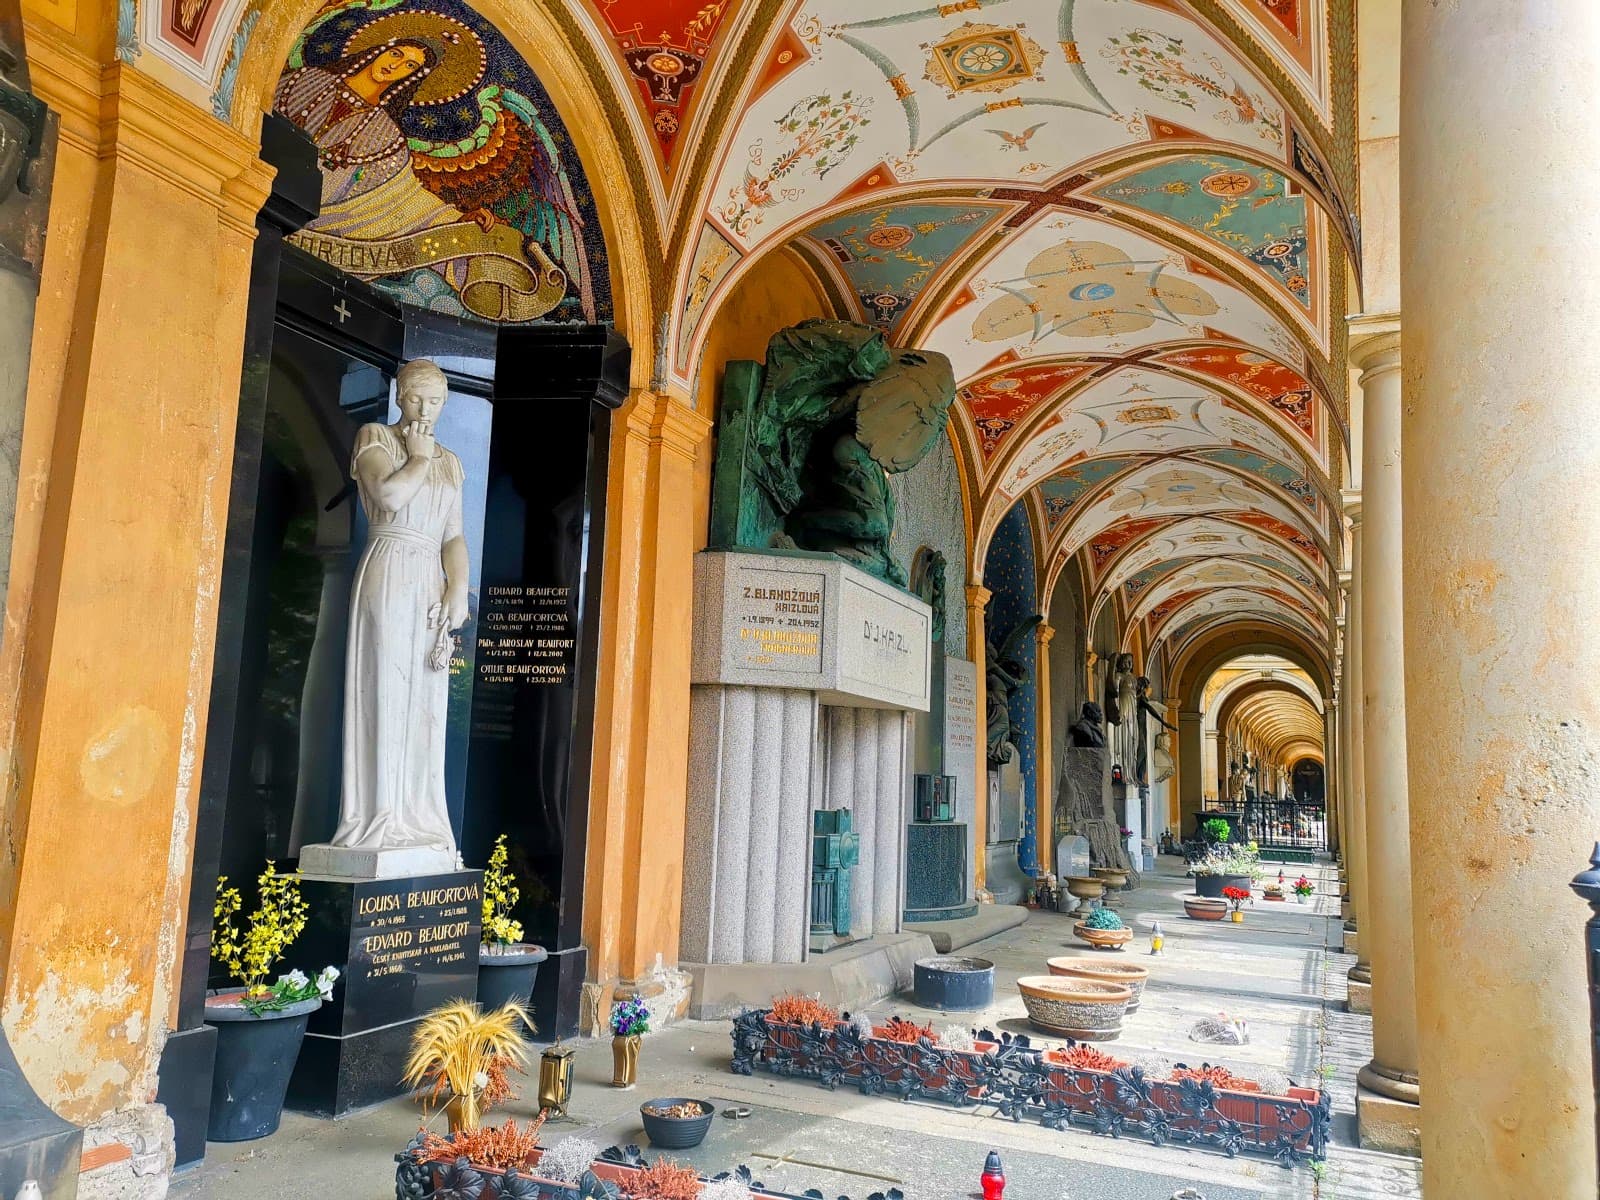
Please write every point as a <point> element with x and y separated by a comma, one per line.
<point>664,1179</point>
<point>502,1147</point>
<point>803,1010</point>
<point>568,1159</point>
<point>957,1037</point>
<point>725,1189</point>
<point>898,1029</point>
<point>463,1056</point>
<point>1216,1076</point>
<point>1085,1058</point>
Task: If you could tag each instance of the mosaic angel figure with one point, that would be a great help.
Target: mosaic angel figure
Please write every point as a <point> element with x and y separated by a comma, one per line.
<point>490,212</point>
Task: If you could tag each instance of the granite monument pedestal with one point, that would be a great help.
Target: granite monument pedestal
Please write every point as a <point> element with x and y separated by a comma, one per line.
<point>403,946</point>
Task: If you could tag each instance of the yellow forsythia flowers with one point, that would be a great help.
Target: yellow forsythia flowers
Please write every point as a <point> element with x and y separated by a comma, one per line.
<point>500,894</point>
<point>273,927</point>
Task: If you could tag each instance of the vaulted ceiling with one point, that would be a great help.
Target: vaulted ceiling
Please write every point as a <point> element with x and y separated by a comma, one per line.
<point>1128,223</point>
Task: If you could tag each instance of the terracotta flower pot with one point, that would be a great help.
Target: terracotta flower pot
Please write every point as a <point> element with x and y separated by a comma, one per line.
<point>1202,908</point>
<point>1103,939</point>
<point>1089,1010</point>
<point>1130,975</point>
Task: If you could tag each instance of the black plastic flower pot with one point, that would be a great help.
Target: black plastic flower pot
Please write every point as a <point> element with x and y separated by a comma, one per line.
<point>255,1057</point>
<point>675,1133</point>
<point>1212,885</point>
<point>508,975</point>
<point>954,984</point>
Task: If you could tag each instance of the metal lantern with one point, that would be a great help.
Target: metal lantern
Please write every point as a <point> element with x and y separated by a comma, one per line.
<point>555,1079</point>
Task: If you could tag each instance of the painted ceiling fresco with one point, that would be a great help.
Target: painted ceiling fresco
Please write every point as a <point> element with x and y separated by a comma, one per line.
<point>1127,222</point>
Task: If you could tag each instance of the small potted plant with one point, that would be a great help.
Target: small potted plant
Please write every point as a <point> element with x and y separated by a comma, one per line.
<point>630,1021</point>
<point>260,1025</point>
<point>1216,831</point>
<point>1303,888</point>
<point>464,1056</point>
<point>507,966</point>
<point>1104,930</point>
<point>1236,898</point>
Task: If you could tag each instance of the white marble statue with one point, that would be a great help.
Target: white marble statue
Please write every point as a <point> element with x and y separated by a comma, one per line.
<point>409,594</point>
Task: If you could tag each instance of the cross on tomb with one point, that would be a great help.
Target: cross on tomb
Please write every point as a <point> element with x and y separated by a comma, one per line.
<point>344,313</point>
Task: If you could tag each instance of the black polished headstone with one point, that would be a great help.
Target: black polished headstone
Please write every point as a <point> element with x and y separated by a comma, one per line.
<point>538,633</point>
<point>403,947</point>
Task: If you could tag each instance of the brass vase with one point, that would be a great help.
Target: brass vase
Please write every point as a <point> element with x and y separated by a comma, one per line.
<point>625,1061</point>
<point>462,1113</point>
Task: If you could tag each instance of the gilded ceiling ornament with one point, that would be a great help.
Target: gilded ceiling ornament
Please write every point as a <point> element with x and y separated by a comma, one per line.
<point>983,58</point>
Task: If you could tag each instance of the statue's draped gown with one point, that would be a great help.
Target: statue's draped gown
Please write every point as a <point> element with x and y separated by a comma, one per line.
<point>396,703</point>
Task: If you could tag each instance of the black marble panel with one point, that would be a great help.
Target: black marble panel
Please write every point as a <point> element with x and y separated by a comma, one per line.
<point>404,946</point>
<point>184,1088</point>
<point>558,993</point>
<point>337,1075</point>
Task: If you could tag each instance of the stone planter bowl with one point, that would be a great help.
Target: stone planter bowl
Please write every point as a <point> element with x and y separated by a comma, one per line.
<point>1103,939</point>
<point>1090,1010</point>
<point>1112,877</point>
<point>1204,909</point>
<point>1129,975</point>
<point>1086,887</point>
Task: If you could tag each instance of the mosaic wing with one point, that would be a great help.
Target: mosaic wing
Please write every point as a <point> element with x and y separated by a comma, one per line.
<point>510,167</point>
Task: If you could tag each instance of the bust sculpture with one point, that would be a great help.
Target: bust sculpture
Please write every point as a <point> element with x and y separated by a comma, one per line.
<point>1089,728</point>
<point>409,595</point>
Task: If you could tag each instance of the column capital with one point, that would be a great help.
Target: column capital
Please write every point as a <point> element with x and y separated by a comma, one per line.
<point>977,596</point>
<point>663,421</point>
<point>1374,351</point>
<point>1044,633</point>
<point>1351,502</point>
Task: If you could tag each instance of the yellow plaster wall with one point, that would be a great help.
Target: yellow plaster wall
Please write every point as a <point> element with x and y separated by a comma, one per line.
<point>127,456</point>
<point>778,292</point>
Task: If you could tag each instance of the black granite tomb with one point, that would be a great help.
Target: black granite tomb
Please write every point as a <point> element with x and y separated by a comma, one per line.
<point>404,946</point>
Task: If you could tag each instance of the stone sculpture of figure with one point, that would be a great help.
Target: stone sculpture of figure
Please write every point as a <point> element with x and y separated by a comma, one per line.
<point>409,594</point>
<point>838,410</point>
<point>1004,673</point>
<point>1143,709</point>
<point>1089,729</point>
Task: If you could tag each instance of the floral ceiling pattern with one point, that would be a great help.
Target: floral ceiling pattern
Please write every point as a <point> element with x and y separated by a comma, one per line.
<point>1127,222</point>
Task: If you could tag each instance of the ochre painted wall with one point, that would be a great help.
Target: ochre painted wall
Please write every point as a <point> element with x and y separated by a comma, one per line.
<point>778,292</point>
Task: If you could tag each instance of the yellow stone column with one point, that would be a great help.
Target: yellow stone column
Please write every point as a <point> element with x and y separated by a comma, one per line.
<point>633,881</point>
<point>1044,788</point>
<point>1502,570</point>
<point>1331,796</point>
<point>1360,976</point>
<point>978,651</point>
<point>1387,1101</point>
<point>126,462</point>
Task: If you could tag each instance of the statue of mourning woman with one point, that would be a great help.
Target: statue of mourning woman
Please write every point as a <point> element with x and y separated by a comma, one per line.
<point>408,597</point>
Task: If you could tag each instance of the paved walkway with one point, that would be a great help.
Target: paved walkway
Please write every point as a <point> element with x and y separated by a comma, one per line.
<point>1279,971</point>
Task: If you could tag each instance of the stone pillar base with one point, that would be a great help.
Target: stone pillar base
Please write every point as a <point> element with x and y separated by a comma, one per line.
<point>1388,1111</point>
<point>1350,941</point>
<point>127,1156</point>
<point>1344,908</point>
<point>1360,1000</point>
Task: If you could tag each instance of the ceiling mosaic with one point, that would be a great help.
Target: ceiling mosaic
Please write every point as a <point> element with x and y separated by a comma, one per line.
<point>1126,222</point>
<point>448,179</point>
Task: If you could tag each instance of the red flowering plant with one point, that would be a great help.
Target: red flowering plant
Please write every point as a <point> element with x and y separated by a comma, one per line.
<point>1303,887</point>
<point>1236,896</point>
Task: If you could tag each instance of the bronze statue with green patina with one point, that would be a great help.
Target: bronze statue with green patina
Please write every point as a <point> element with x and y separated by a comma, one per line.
<point>806,442</point>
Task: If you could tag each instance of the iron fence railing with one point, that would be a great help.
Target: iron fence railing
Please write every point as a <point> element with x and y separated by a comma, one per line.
<point>1285,824</point>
